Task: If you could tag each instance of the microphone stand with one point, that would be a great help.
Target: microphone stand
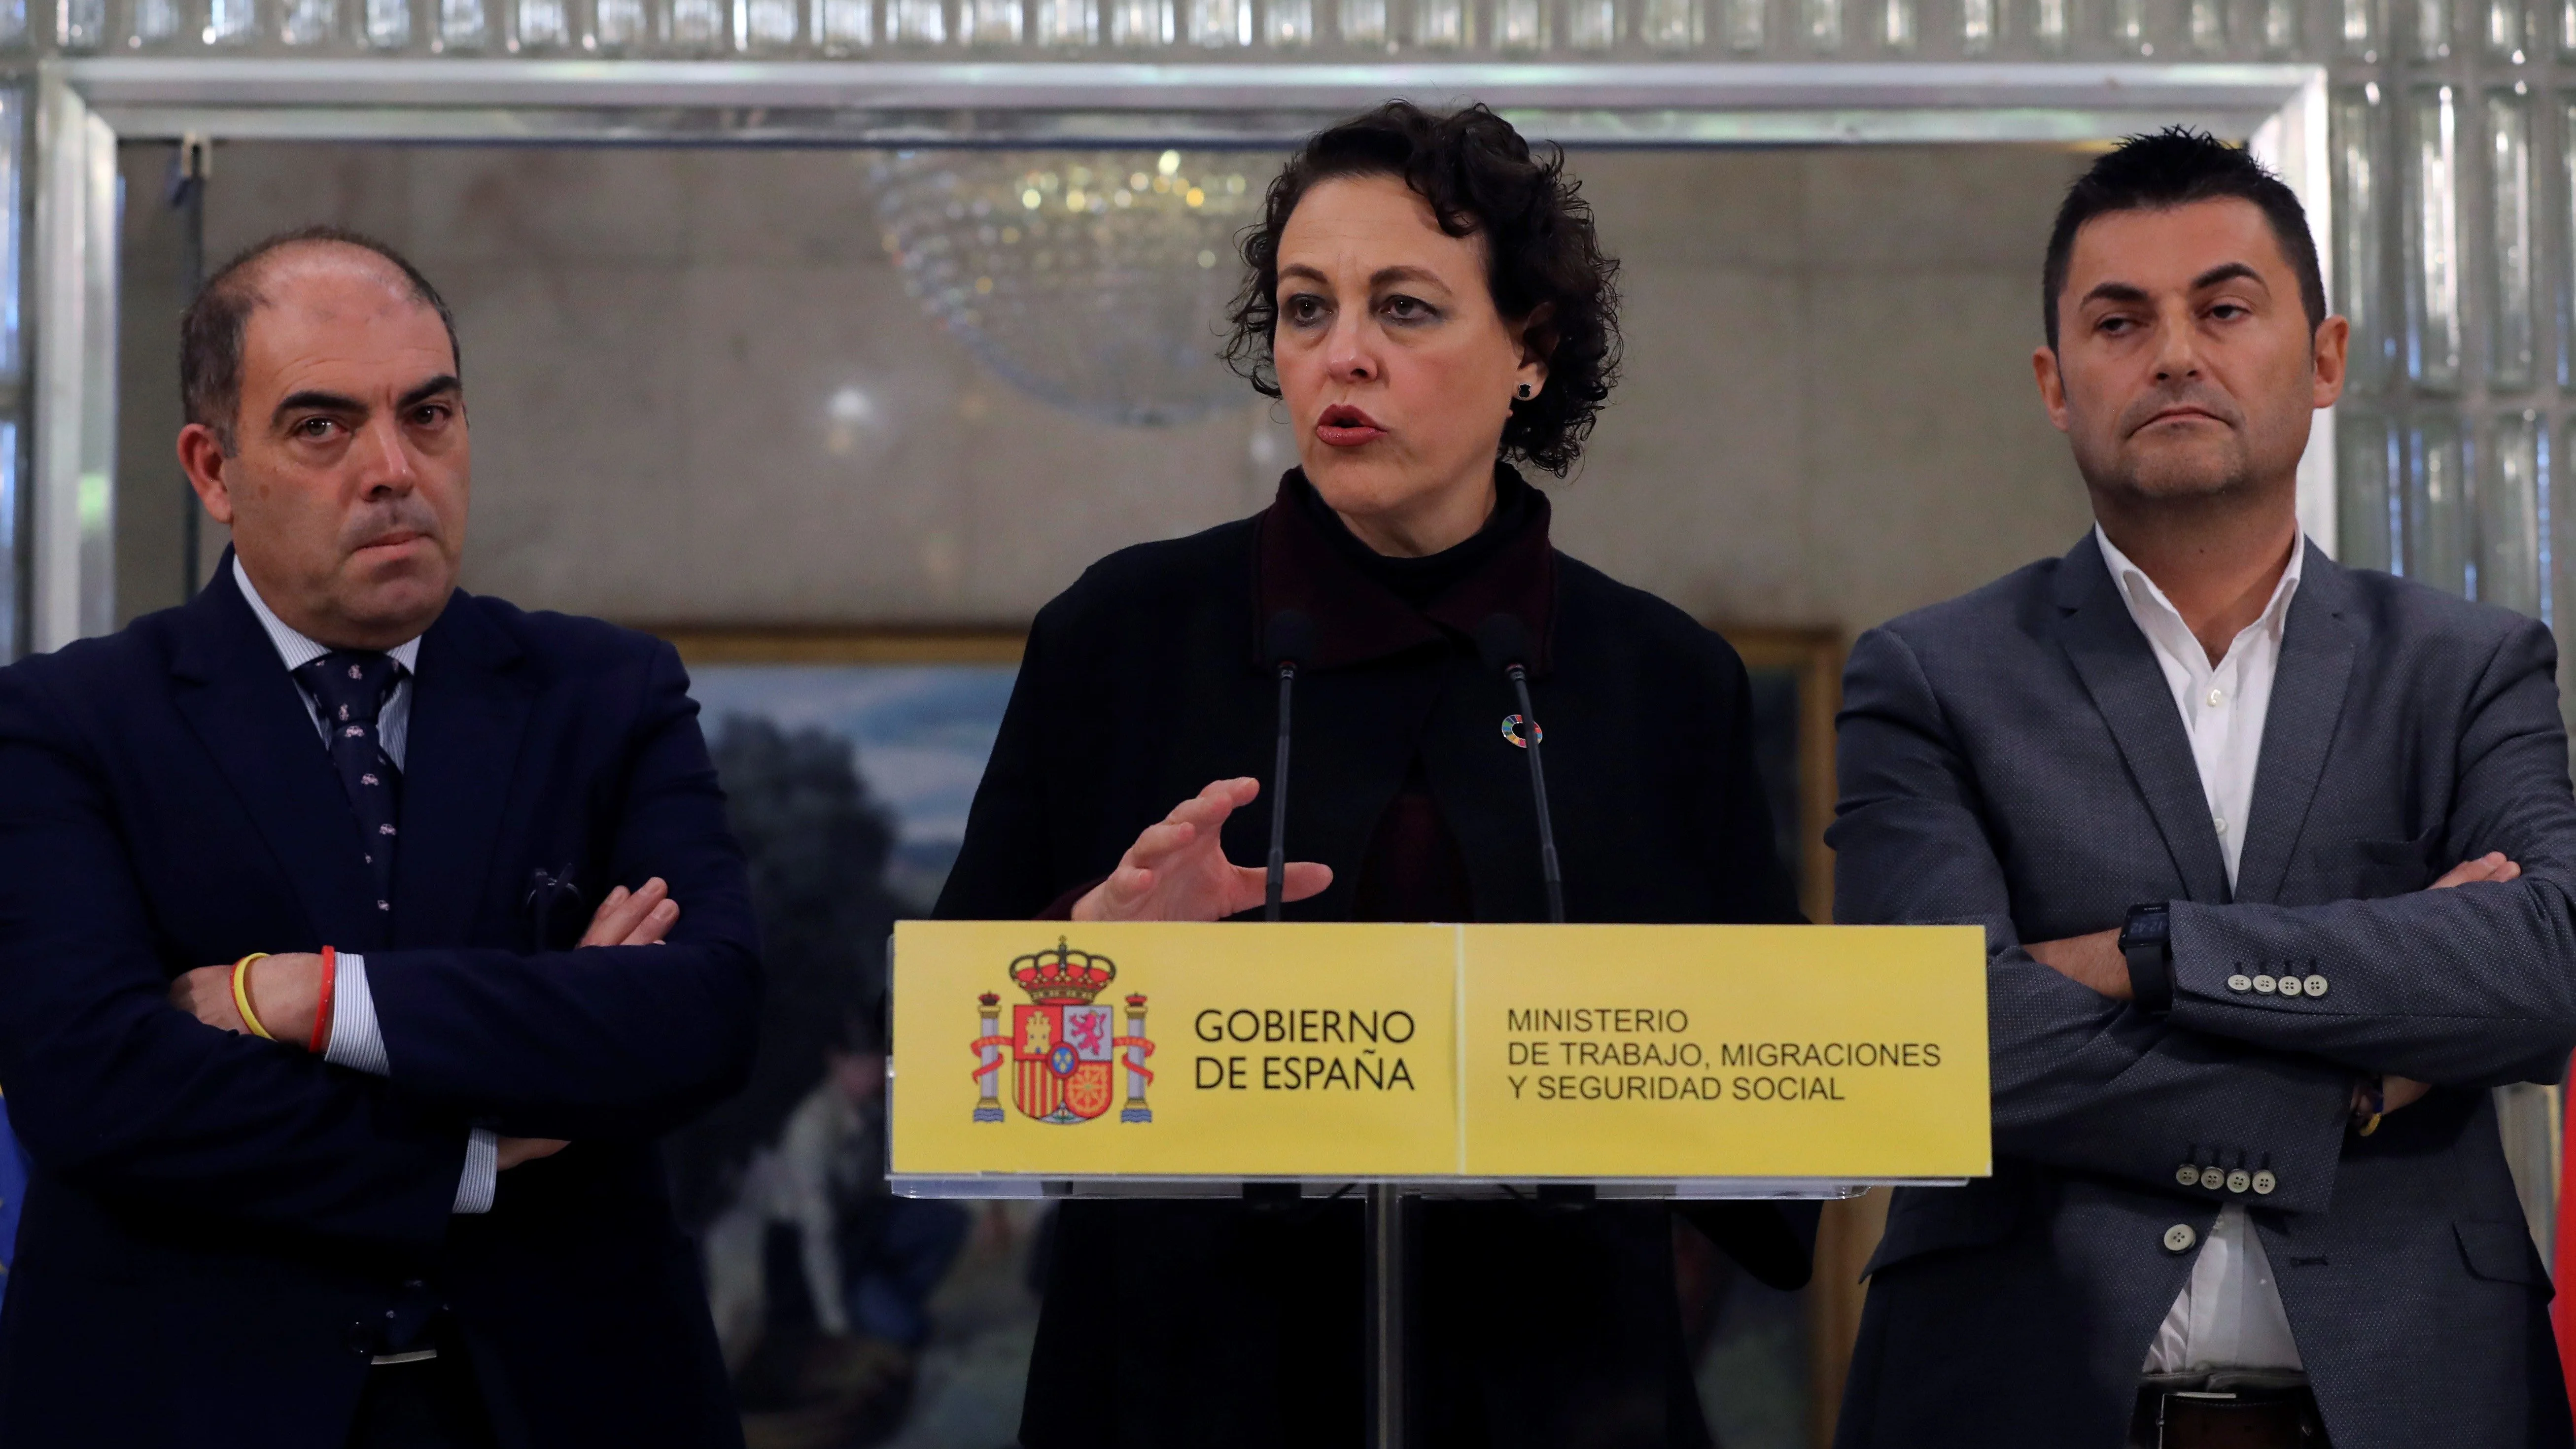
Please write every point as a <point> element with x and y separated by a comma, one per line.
<point>1538,790</point>
<point>1290,637</point>
<point>1277,886</point>
<point>1383,1215</point>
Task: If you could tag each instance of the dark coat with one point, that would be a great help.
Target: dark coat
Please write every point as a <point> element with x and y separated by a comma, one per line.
<point>1218,1323</point>
<point>217,1223</point>
<point>2013,759</point>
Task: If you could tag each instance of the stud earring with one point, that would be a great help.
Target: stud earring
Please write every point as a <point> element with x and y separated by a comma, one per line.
<point>1525,392</point>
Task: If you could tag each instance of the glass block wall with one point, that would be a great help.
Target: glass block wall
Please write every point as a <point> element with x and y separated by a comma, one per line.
<point>2437,41</point>
<point>2453,169</point>
<point>2455,228</point>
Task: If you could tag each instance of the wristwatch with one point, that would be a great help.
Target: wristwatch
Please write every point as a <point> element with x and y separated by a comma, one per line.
<point>2147,942</point>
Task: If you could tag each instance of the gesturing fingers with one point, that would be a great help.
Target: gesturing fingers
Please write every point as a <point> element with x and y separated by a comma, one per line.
<point>1305,878</point>
<point>1208,808</point>
<point>1117,898</point>
<point>1250,884</point>
<point>1194,821</point>
<point>1159,843</point>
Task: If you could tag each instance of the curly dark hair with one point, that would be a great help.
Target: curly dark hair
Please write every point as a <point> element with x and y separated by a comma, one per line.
<point>1543,262</point>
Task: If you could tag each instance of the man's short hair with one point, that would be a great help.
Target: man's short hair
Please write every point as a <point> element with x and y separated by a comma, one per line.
<point>2176,167</point>
<point>212,329</point>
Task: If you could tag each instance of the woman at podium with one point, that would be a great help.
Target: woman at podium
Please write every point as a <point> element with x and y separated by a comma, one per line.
<point>1431,305</point>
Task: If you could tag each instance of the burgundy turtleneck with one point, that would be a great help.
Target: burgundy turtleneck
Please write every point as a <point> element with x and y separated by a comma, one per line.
<point>1367,607</point>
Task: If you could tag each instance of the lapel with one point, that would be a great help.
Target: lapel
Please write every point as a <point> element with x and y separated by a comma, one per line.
<point>2119,669</point>
<point>469,705</point>
<point>237,696</point>
<point>2317,650</point>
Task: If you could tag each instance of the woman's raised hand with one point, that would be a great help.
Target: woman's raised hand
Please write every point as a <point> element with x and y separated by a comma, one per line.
<point>1177,870</point>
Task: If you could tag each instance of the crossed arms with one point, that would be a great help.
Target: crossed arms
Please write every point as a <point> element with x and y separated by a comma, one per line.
<point>2468,986</point>
<point>116,1090</point>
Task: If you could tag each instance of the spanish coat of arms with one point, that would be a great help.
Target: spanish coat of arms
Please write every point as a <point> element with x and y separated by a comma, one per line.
<point>1064,1051</point>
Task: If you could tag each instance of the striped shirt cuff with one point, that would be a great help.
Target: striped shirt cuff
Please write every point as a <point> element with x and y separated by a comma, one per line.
<point>356,1041</point>
<point>482,1177</point>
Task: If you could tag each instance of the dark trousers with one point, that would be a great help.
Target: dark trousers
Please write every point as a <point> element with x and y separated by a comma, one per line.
<point>2227,1418</point>
<point>432,1404</point>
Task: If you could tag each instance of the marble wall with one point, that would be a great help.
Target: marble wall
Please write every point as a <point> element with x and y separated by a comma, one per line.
<point>1828,416</point>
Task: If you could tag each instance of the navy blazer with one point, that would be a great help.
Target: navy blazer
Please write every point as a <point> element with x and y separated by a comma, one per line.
<point>2014,759</point>
<point>216,1223</point>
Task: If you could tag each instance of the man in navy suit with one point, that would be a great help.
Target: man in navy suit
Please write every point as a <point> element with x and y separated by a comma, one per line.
<point>366,1229</point>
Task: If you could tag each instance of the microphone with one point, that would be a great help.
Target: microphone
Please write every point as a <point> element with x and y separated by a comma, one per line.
<point>1288,640</point>
<point>1503,641</point>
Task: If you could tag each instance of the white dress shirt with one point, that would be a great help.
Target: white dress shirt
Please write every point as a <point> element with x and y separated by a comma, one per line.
<point>357,1041</point>
<point>2229,1314</point>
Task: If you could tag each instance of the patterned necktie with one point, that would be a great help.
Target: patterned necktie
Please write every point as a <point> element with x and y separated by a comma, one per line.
<point>352,686</point>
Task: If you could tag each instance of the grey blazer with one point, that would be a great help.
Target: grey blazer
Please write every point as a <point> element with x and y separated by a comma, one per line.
<point>2013,758</point>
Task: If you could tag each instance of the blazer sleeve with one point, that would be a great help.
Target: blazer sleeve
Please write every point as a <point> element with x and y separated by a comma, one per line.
<point>601,1042</point>
<point>2469,987</point>
<point>2080,1081</point>
<point>115,1090</point>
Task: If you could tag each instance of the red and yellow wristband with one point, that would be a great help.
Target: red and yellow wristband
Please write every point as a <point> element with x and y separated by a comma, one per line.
<point>241,995</point>
<point>321,1010</point>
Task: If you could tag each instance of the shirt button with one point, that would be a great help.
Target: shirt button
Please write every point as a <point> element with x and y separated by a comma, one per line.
<point>2220,821</point>
<point>2211,1177</point>
<point>2316,985</point>
<point>2292,986</point>
<point>2264,1182</point>
<point>2214,698</point>
<point>2240,982</point>
<point>2188,1174</point>
<point>2180,1237</point>
<point>2239,1180</point>
<point>2266,985</point>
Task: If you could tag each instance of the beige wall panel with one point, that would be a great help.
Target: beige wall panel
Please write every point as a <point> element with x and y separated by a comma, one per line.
<point>701,392</point>
<point>548,205</point>
<point>1694,482</point>
<point>1659,209</point>
<point>790,515</point>
<point>572,390</point>
<point>1935,468</point>
<point>1902,209</point>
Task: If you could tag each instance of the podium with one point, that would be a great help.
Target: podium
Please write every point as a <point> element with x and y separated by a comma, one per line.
<point>1553,1062</point>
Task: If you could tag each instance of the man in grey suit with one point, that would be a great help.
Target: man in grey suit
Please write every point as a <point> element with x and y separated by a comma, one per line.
<point>2248,1186</point>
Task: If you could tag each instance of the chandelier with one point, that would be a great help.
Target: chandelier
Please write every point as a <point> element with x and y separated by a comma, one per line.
<point>1095,280</point>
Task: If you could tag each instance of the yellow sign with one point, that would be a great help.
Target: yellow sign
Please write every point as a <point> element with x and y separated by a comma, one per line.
<point>1424,1052</point>
<point>1174,1050</point>
<point>1848,1052</point>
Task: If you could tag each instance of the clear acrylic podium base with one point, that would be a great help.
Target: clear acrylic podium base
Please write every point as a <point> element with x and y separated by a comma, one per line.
<point>1021,1186</point>
<point>1382,1204</point>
